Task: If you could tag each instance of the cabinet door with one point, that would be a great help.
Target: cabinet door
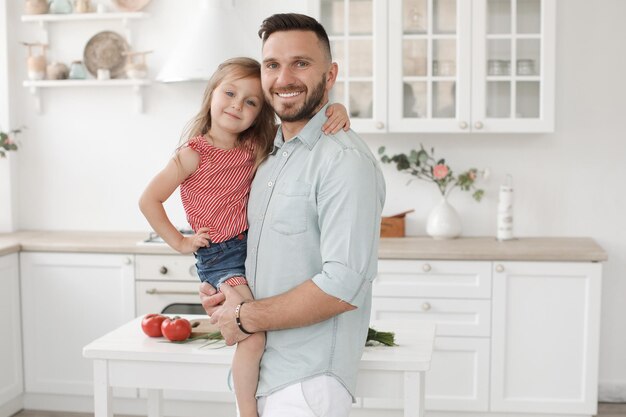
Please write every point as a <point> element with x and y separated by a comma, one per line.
<point>68,300</point>
<point>357,30</point>
<point>11,377</point>
<point>546,323</point>
<point>429,65</point>
<point>513,47</point>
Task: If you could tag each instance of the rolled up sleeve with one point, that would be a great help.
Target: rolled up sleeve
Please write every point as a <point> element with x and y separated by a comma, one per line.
<point>350,201</point>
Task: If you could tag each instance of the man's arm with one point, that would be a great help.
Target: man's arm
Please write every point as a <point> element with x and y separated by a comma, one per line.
<point>302,306</point>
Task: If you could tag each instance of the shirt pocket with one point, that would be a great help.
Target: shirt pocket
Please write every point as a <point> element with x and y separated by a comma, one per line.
<point>289,208</point>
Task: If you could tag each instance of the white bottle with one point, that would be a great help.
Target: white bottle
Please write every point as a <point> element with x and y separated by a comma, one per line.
<point>505,210</point>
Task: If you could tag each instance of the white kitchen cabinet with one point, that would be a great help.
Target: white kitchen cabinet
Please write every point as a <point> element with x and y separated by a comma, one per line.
<point>545,341</point>
<point>11,377</point>
<point>512,337</point>
<point>69,300</point>
<point>444,65</point>
<point>456,295</point>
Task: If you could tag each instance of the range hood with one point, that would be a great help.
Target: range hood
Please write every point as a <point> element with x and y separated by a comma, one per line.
<point>213,35</point>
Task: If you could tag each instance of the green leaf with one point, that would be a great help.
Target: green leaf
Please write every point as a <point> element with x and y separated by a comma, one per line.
<point>422,156</point>
<point>381,150</point>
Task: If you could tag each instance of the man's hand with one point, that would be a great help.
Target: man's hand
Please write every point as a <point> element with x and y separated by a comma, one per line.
<point>224,316</point>
<point>210,298</point>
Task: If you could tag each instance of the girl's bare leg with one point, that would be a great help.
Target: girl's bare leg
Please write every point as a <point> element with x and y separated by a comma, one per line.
<point>246,366</point>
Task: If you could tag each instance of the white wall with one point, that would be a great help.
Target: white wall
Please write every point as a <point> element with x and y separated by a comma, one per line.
<point>85,160</point>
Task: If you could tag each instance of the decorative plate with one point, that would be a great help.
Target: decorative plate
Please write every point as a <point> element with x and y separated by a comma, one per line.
<point>130,5</point>
<point>105,50</point>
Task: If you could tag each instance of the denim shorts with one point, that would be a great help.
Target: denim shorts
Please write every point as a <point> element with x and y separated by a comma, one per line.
<point>223,260</point>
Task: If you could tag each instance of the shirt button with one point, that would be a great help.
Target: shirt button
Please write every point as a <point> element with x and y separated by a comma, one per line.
<point>269,184</point>
<point>285,153</point>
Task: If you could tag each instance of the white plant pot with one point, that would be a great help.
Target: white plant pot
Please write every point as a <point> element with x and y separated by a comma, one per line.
<point>443,221</point>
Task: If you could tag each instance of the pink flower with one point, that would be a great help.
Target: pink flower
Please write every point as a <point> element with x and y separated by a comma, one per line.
<point>472,175</point>
<point>440,171</point>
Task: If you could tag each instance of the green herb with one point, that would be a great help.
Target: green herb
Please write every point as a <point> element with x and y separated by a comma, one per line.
<point>386,338</point>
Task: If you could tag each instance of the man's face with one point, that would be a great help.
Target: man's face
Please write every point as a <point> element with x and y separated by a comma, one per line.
<point>296,74</point>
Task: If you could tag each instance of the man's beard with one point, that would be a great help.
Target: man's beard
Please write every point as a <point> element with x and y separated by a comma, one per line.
<point>308,109</point>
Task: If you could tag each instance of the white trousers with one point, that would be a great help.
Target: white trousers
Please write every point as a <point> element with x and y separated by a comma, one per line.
<point>322,396</point>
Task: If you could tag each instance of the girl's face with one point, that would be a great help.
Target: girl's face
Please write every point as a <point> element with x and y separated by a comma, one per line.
<point>235,104</point>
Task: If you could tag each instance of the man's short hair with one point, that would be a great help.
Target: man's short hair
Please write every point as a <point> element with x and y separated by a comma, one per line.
<point>283,22</point>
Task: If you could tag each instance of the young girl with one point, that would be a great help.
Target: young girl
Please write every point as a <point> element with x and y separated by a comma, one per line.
<point>233,132</point>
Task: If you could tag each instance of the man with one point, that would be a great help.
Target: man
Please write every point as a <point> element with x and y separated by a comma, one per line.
<point>314,224</point>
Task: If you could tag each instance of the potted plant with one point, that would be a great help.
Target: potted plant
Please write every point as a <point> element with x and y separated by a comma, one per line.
<point>443,221</point>
<point>7,143</point>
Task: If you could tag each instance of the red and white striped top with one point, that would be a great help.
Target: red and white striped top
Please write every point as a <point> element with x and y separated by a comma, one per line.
<point>216,194</point>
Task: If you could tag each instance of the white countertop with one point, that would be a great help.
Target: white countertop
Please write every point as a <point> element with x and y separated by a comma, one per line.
<point>565,249</point>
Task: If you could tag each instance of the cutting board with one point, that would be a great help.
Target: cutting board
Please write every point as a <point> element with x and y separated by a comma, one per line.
<point>202,326</point>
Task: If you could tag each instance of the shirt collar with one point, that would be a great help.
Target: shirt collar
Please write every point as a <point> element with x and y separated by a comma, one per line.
<point>310,133</point>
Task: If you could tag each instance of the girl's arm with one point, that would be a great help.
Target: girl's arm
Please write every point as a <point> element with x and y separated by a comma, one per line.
<point>159,190</point>
<point>337,119</point>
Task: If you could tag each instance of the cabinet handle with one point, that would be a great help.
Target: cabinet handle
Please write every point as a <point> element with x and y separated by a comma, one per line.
<point>478,125</point>
<point>426,268</point>
<point>128,261</point>
<point>192,271</point>
<point>426,306</point>
<point>463,125</point>
<point>154,291</point>
<point>380,125</point>
<point>499,268</point>
<point>163,270</point>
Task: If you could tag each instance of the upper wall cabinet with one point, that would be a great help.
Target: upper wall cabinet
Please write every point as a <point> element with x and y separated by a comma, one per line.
<point>444,65</point>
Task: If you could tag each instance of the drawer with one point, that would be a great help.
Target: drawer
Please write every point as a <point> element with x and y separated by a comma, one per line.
<point>445,279</point>
<point>166,268</point>
<point>453,317</point>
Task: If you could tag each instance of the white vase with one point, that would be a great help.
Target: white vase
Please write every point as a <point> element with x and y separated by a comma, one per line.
<point>443,221</point>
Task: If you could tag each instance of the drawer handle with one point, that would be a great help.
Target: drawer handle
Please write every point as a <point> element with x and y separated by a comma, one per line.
<point>192,271</point>
<point>499,268</point>
<point>163,270</point>
<point>426,268</point>
<point>154,291</point>
<point>426,306</point>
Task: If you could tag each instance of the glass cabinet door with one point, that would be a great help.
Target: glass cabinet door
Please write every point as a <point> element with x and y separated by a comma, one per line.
<point>357,33</point>
<point>513,67</point>
<point>429,64</point>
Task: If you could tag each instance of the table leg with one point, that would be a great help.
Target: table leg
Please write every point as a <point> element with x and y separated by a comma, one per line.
<point>101,389</point>
<point>155,403</point>
<point>414,394</point>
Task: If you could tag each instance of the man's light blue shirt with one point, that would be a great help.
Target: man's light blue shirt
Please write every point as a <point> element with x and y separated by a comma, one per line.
<point>314,213</point>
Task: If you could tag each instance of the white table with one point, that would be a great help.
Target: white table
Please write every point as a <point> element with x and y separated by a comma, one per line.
<point>126,357</point>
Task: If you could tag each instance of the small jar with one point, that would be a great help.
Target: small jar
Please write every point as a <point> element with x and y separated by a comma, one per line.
<point>525,67</point>
<point>78,71</point>
<point>498,67</point>
<point>82,6</point>
<point>60,6</point>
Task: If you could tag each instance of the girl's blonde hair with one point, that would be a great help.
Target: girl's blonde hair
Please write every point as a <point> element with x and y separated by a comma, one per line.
<point>261,133</point>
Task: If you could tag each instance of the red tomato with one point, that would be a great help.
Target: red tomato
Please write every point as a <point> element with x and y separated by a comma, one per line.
<point>151,325</point>
<point>176,329</point>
